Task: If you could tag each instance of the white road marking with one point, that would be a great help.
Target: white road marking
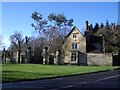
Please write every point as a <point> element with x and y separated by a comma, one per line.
<point>107,78</point>
<point>58,78</point>
<point>68,86</point>
<point>88,82</point>
<point>62,87</point>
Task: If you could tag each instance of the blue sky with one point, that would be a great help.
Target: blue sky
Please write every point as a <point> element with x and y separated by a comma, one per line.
<point>16,16</point>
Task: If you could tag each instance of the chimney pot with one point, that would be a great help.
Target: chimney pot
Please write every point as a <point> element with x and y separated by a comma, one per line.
<point>87,27</point>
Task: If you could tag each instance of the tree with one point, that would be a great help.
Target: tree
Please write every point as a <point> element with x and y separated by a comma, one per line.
<point>102,25</point>
<point>56,25</point>
<point>27,39</point>
<point>36,43</point>
<point>91,28</point>
<point>96,27</point>
<point>112,38</point>
<point>107,25</point>
<point>60,22</point>
<point>53,30</point>
<point>16,43</point>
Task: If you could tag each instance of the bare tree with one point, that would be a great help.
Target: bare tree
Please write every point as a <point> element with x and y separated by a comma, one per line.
<point>16,42</point>
<point>51,28</point>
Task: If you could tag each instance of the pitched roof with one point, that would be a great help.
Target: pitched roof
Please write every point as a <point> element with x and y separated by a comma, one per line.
<point>73,30</point>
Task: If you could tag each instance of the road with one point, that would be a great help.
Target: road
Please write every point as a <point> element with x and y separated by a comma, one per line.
<point>109,79</point>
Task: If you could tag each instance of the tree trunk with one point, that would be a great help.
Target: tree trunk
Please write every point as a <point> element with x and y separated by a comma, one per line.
<point>19,51</point>
<point>46,55</point>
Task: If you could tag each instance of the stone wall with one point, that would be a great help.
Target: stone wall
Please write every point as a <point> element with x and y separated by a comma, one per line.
<point>99,59</point>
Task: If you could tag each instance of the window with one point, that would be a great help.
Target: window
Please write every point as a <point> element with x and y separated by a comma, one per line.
<point>74,36</point>
<point>73,56</point>
<point>74,46</point>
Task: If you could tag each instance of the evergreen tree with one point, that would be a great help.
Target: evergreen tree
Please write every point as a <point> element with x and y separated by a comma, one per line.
<point>91,28</point>
<point>107,25</point>
<point>102,25</point>
<point>95,29</point>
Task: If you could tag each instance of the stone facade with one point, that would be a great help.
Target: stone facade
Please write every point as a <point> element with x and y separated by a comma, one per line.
<point>74,45</point>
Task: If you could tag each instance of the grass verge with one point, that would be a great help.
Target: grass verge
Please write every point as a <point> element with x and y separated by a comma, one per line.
<point>22,72</point>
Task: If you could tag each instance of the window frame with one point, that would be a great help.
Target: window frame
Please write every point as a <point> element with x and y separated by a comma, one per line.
<point>74,46</point>
<point>74,35</point>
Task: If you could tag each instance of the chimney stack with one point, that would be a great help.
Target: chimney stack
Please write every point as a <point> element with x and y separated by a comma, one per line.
<point>87,27</point>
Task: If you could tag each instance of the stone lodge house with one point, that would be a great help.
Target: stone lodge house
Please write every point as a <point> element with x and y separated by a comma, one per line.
<point>75,47</point>
<point>85,49</point>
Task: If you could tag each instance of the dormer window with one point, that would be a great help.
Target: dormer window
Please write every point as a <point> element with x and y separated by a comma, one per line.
<point>74,36</point>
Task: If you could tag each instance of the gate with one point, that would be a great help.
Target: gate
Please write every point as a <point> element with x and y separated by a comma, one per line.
<point>116,59</point>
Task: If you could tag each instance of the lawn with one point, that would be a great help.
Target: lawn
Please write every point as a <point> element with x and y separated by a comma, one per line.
<point>21,72</point>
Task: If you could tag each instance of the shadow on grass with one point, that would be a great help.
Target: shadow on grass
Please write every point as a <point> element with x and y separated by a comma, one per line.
<point>18,76</point>
<point>13,76</point>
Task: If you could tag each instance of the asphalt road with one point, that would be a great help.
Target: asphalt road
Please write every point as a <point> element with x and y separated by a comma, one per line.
<point>109,79</point>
